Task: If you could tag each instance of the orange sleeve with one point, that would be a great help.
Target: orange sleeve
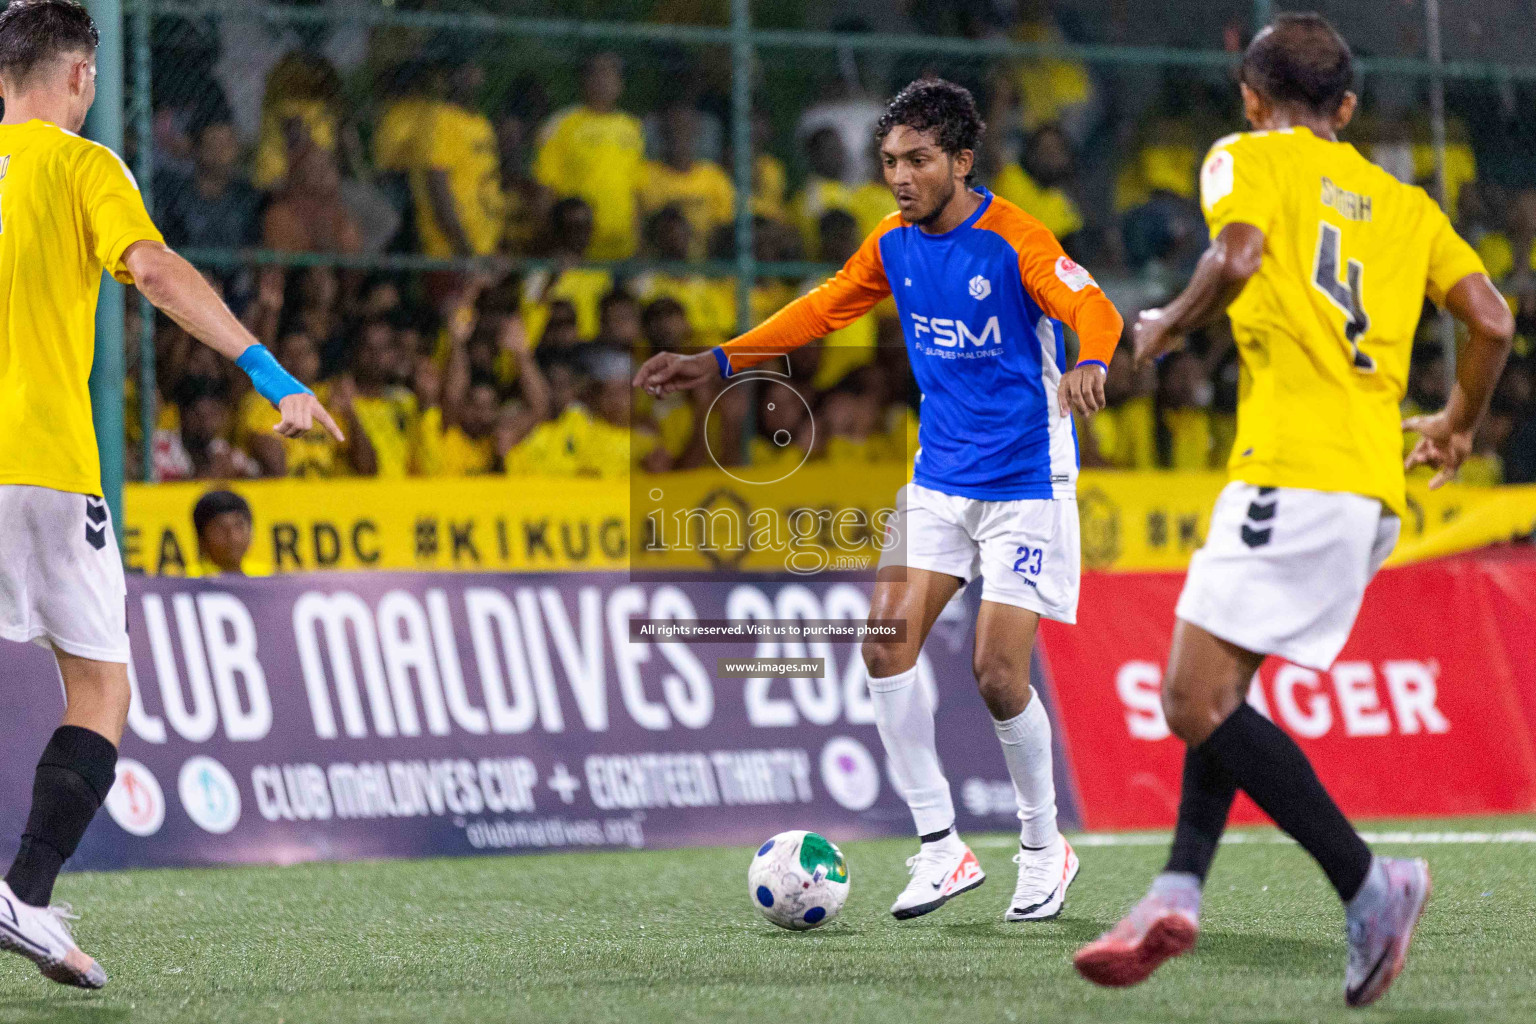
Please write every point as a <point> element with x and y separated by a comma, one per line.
<point>850,293</point>
<point>1069,293</point>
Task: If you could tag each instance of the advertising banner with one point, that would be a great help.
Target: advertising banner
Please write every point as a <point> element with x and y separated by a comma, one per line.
<point>1427,711</point>
<point>823,517</point>
<point>350,715</point>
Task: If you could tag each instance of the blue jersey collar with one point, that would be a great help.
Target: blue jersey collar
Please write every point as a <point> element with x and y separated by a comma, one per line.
<point>986,201</point>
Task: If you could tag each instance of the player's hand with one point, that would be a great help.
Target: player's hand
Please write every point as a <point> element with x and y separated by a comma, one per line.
<point>1440,445</point>
<point>667,372</point>
<point>301,412</point>
<point>1150,338</point>
<point>1081,390</point>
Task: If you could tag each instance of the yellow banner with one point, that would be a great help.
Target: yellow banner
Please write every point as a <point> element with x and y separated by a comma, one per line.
<point>823,517</point>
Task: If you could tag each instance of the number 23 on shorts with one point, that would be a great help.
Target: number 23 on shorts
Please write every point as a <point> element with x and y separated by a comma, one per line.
<point>1029,560</point>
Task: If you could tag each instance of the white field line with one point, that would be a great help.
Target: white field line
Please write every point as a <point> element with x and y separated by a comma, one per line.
<point>1087,839</point>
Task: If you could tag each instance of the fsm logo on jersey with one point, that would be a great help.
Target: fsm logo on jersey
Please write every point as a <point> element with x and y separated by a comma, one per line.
<point>980,287</point>
<point>209,794</point>
<point>849,772</point>
<point>136,801</point>
<point>952,332</point>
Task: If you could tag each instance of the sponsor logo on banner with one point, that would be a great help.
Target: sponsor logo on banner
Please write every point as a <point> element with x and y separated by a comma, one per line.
<point>209,795</point>
<point>849,772</point>
<point>357,715</point>
<point>136,802</point>
<point>1388,725</point>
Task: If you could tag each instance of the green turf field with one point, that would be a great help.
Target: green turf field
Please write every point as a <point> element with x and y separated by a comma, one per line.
<point>670,936</point>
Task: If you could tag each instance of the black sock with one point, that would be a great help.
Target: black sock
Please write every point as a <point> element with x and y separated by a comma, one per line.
<point>1204,801</point>
<point>933,837</point>
<point>1269,766</point>
<point>76,771</point>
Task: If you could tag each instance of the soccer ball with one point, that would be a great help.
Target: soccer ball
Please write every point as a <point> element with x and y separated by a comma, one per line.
<point>798,880</point>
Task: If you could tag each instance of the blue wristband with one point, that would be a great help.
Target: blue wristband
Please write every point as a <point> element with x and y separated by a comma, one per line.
<point>723,360</point>
<point>1093,362</point>
<point>272,381</point>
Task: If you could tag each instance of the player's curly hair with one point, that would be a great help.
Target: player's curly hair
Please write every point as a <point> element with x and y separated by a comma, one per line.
<point>935,105</point>
<point>1300,58</point>
<point>33,32</point>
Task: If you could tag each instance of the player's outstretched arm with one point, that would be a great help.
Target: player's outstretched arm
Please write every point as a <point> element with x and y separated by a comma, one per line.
<point>1446,436</point>
<point>178,290</point>
<point>847,295</point>
<point>1219,277</point>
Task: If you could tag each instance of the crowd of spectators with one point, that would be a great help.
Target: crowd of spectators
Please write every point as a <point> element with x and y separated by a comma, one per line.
<point>527,373</point>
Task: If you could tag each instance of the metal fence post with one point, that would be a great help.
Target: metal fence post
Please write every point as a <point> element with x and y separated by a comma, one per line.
<point>105,125</point>
<point>1437,137</point>
<point>1263,14</point>
<point>144,167</point>
<point>741,132</point>
<point>741,136</point>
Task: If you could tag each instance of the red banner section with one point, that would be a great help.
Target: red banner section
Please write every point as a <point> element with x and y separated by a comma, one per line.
<point>1430,709</point>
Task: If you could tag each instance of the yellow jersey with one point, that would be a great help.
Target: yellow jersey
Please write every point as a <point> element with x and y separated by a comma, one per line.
<point>272,158</point>
<point>448,451</point>
<point>871,203</point>
<point>314,455</point>
<point>1325,328</point>
<point>709,309</point>
<point>1051,206</point>
<point>816,197</point>
<point>599,158</point>
<point>768,186</point>
<point>462,144</point>
<point>398,136</point>
<point>1127,433</point>
<point>703,193</point>
<point>582,287</point>
<point>393,423</point>
<point>69,208</point>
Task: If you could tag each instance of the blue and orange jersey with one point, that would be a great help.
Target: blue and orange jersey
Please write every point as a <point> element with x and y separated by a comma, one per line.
<point>982,308</point>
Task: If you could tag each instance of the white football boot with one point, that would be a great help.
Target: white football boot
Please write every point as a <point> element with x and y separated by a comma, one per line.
<point>1043,879</point>
<point>940,872</point>
<point>41,934</point>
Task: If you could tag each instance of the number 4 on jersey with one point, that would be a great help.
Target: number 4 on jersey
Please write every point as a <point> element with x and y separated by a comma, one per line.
<point>1347,295</point>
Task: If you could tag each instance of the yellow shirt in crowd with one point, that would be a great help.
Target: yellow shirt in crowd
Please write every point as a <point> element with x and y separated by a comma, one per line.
<point>271,160</point>
<point>315,455</point>
<point>1051,206</point>
<point>68,208</point>
<point>1325,328</point>
<point>577,443</point>
<point>815,198</point>
<point>452,452</point>
<point>703,192</point>
<point>710,310</point>
<point>1190,441</point>
<point>1126,433</point>
<point>871,203</point>
<point>393,424</point>
<point>462,144</point>
<point>598,157</point>
<point>582,287</point>
<point>768,187</point>
<point>399,136</point>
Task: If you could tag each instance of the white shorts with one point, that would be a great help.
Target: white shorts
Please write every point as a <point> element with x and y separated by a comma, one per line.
<point>1027,552</point>
<point>1283,570</point>
<point>61,576</point>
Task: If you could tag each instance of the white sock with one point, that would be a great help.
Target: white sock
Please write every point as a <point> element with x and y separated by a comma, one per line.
<point>904,716</point>
<point>1026,740</point>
